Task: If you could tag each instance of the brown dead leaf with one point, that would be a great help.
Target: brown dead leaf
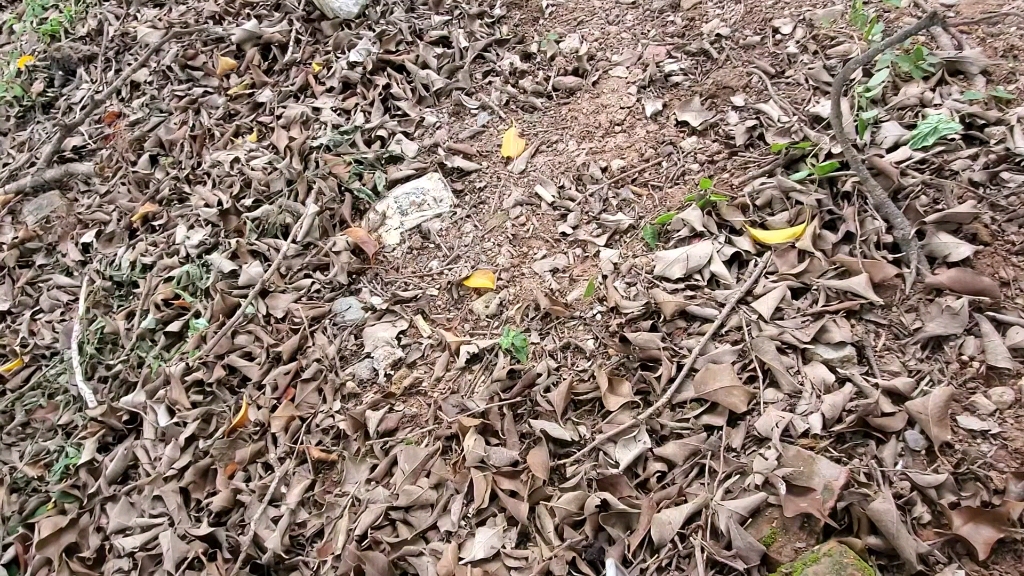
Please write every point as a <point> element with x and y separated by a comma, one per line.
<point>816,472</point>
<point>539,460</point>
<point>964,281</point>
<point>241,419</point>
<point>877,270</point>
<point>681,451</point>
<point>615,391</point>
<point>996,353</point>
<point>484,543</point>
<point>931,412</point>
<point>363,238</point>
<point>667,523</point>
<point>318,455</point>
<point>980,527</point>
<point>719,383</point>
<point>887,518</point>
<point>859,285</point>
<point>225,65</point>
<point>143,211</point>
<point>944,317</point>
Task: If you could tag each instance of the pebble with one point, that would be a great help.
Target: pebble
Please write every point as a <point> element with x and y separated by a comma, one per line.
<point>982,405</point>
<point>568,83</point>
<point>1002,397</point>
<point>834,355</point>
<point>364,371</point>
<point>915,441</point>
<point>348,310</point>
<point>486,305</point>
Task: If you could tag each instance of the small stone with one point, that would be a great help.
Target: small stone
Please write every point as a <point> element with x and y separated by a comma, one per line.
<point>828,559</point>
<point>568,83</point>
<point>37,209</point>
<point>364,371</point>
<point>344,9</point>
<point>826,15</point>
<point>915,440</point>
<point>1002,397</point>
<point>835,355</point>
<point>982,405</point>
<point>571,45</point>
<point>348,310</point>
<point>486,305</point>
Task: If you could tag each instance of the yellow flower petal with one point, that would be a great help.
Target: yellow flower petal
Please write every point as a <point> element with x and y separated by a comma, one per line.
<point>512,145</point>
<point>483,279</point>
<point>13,365</point>
<point>777,236</point>
<point>25,61</point>
<point>254,137</point>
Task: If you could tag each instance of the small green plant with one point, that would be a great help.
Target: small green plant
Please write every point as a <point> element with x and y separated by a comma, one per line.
<point>932,129</point>
<point>651,234</point>
<point>864,94</point>
<point>998,92</point>
<point>591,288</point>
<point>47,18</point>
<point>515,342</point>
<point>783,146</point>
<point>866,21</point>
<point>815,169</point>
<point>918,62</point>
<point>197,325</point>
<point>68,460</point>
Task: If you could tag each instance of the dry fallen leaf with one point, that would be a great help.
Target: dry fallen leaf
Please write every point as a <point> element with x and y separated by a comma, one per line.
<point>720,384</point>
<point>363,238</point>
<point>512,145</point>
<point>964,281</point>
<point>319,455</point>
<point>943,318</point>
<point>781,236</point>
<point>241,419</point>
<point>225,65</point>
<point>887,518</point>
<point>931,412</point>
<point>980,527</point>
<point>680,262</point>
<point>859,285</point>
<point>996,353</point>
<point>144,210</point>
<point>12,366</point>
<point>481,279</point>
<point>667,523</point>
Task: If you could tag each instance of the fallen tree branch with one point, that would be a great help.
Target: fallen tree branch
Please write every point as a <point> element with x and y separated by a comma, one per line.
<point>243,552</point>
<point>1003,15</point>
<point>54,146</point>
<point>666,397</point>
<point>49,177</point>
<point>307,213</point>
<point>76,358</point>
<point>901,228</point>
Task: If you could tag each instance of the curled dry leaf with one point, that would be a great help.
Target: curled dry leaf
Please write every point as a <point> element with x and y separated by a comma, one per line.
<point>859,285</point>
<point>363,238</point>
<point>144,211</point>
<point>680,262</point>
<point>878,270</point>
<point>512,145</point>
<point>943,318</point>
<point>692,112</point>
<point>945,247</point>
<point>241,419</point>
<point>681,451</point>
<point>225,65</point>
<point>887,518</point>
<point>996,353</point>
<point>318,455</point>
<point>964,281</point>
<point>931,412</point>
<point>720,384</point>
<point>481,279</point>
<point>615,391</point>
<point>667,523</point>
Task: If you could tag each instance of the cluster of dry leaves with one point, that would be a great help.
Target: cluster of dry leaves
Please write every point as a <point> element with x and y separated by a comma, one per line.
<point>268,404</point>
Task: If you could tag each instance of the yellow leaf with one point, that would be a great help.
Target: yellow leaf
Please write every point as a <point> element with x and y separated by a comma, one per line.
<point>225,65</point>
<point>512,145</point>
<point>240,419</point>
<point>777,236</point>
<point>317,67</point>
<point>254,137</point>
<point>25,61</point>
<point>240,88</point>
<point>11,366</point>
<point>145,210</point>
<point>481,279</point>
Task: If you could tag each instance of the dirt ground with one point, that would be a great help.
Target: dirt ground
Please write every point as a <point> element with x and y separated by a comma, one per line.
<point>305,476</point>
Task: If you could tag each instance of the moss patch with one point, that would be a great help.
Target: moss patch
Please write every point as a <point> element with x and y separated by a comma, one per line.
<point>770,538</point>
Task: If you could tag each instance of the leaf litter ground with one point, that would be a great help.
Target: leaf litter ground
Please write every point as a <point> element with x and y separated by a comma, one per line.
<point>279,390</point>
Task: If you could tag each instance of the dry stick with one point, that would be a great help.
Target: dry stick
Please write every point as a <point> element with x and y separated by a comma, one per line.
<point>251,533</point>
<point>634,171</point>
<point>901,228</point>
<point>54,146</point>
<point>76,359</point>
<point>49,177</point>
<point>310,209</point>
<point>667,396</point>
<point>986,17</point>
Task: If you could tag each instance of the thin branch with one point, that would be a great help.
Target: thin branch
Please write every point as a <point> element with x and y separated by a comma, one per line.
<point>49,177</point>
<point>76,359</point>
<point>54,146</point>
<point>901,228</point>
<point>625,175</point>
<point>666,397</point>
<point>251,533</point>
<point>1003,15</point>
<point>311,209</point>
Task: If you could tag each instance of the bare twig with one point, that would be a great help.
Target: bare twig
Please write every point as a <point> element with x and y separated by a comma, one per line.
<point>76,359</point>
<point>777,163</point>
<point>901,228</point>
<point>58,140</point>
<point>666,397</point>
<point>635,170</point>
<point>309,211</point>
<point>1003,318</point>
<point>1002,15</point>
<point>251,533</point>
<point>49,177</point>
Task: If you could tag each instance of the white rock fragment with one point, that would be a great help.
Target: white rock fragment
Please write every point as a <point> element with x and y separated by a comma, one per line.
<point>1002,397</point>
<point>982,405</point>
<point>344,9</point>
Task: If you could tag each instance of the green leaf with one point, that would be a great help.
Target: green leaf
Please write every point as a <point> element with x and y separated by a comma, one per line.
<point>516,342</point>
<point>826,168</point>
<point>885,60</point>
<point>803,145</point>
<point>651,234</point>
<point>715,197</point>
<point>801,175</point>
<point>778,147</point>
<point>664,218</point>
<point>1000,92</point>
<point>973,95</point>
<point>705,184</point>
<point>878,78</point>
<point>894,3</point>
<point>591,288</point>
<point>932,129</point>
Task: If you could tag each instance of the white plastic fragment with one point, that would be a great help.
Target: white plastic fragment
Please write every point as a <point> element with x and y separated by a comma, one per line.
<point>410,205</point>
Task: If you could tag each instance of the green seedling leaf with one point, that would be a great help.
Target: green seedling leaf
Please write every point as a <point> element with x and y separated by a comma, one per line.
<point>973,95</point>
<point>803,145</point>
<point>801,175</point>
<point>716,197</point>
<point>932,129</point>
<point>651,234</point>
<point>879,78</point>
<point>826,168</point>
<point>894,3</point>
<point>516,343</point>
<point>779,147</point>
<point>664,218</point>
<point>1000,92</point>
<point>705,184</point>
<point>591,288</point>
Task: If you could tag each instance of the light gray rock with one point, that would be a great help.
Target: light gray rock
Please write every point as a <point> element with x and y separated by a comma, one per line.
<point>348,310</point>
<point>982,405</point>
<point>1002,397</point>
<point>826,15</point>
<point>486,305</point>
<point>344,9</point>
<point>915,440</point>
<point>834,355</point>
<point>568,83</point>
<point>364,371</point>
